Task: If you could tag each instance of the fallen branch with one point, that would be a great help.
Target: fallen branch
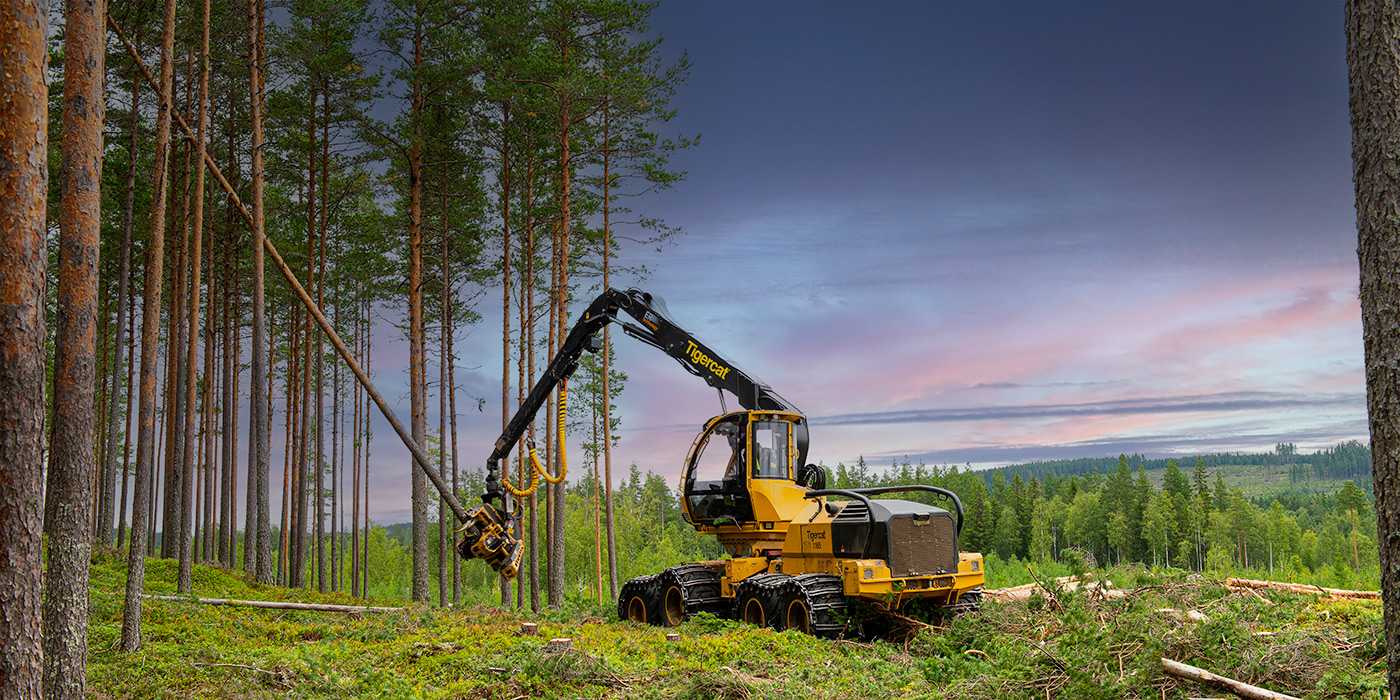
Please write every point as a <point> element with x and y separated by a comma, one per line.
<point>250,668</point>
<point>1200,675</point>
<point>1246,584</point>
<point>322,607</point>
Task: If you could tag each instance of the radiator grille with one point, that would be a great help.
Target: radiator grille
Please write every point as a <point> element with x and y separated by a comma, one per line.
<point>923,549</point>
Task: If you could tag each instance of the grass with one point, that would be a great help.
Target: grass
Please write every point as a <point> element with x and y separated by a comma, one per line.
<point>1066,646</point>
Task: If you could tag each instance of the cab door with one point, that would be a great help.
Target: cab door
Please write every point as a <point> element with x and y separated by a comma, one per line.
<point>714,486</point>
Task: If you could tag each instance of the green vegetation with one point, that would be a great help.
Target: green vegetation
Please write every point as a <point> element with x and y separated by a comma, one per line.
<point>1317,530</point>
<point>1063,645</point>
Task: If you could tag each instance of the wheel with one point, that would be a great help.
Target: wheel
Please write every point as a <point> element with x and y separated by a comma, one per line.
<point>756,599</point>
<point>640,601</point>
<point>813,604</point>
<point>686,590</point>
<point>796,612</point>
<point>673,605</point>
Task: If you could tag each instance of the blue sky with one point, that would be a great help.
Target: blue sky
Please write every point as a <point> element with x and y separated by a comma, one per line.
<point>995,232</point>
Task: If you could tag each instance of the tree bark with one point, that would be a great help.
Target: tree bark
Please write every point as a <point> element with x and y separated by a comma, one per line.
<point>259,436</point>
<point>192,450</point>
<point>73,461</point>
<point>1373,30</point>
<point>106,509</point>
<point>150,336</point>
<point>417,373</point>
<point>23,182</point>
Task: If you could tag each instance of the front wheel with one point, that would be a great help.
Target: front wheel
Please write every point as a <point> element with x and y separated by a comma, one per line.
<point>813,604</point>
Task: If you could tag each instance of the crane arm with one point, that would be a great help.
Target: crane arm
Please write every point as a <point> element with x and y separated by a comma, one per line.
<point>654,327</point>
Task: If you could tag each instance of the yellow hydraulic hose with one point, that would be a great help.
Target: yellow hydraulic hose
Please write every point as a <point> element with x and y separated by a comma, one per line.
<point>534,478</point>
<point>559,427</point>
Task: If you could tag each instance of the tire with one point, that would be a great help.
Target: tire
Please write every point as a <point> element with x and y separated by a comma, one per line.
<point>640,600</point>
<point>756,599</point>
<point>813,604</point>
<point>688,589</point>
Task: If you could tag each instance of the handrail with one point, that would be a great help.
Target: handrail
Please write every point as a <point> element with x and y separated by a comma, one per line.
<point>869,512</point>
<point>945,493</point>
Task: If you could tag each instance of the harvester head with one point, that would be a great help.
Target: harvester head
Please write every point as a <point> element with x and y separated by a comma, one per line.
<point>487,536</point>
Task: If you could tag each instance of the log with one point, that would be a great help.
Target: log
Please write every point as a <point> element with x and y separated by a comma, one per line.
<point>1069,583</point>
<point>1248,584</point>
<point>281,605</point>
<point>1200,675</point>
<point>1191,615</point>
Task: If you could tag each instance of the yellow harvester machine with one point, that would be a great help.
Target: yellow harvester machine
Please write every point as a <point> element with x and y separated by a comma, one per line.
<point>801,555</point>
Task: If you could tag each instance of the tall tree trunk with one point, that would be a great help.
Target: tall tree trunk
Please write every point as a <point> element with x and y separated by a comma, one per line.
<point>107,508</point>
<point>369,436</point>
<point>444,549</point>
<point>355,468</point>
<point>207,424</point>
<point>172,505</point>
<point>417,374</point>
<point>505,321</point>
<point>23,256</point>
<point>456,482</point>
<point>126,439</point>
<point>229,406</point>
<point>527,330</point>
<point>556,552</point>
<point>607,352</point>
<point>1373,29</point>
<point>73,461</point>
<point>259,436</point>
<point>192,451</point>
<point>150,335</point>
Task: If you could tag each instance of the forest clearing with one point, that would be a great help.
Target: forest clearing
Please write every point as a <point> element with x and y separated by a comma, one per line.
<point>1072,644</point>
<point>237,235</point>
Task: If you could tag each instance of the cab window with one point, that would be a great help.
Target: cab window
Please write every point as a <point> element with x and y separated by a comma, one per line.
<point>770,449</point>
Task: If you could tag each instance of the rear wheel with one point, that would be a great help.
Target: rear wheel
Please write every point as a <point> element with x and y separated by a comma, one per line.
<point>640,600</point>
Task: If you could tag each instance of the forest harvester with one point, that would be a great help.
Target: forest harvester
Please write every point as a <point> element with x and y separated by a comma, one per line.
<point>799,553</point>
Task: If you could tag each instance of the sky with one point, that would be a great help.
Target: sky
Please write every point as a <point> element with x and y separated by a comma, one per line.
<point>988,233</point>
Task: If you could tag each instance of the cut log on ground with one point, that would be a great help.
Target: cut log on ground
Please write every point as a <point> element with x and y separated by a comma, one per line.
<point>1068,583</point>
<point>1250,584</point>
<point>1200,675</point>
<point>281,605</point>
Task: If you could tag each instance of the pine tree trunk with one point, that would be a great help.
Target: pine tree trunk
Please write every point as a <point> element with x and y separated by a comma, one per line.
<point>259,435</point>
<point>456,480</point>
<point>106,510</point>
<point>444,549</point>
<point>192,456</point>
<point>73,460</point>
<point>23,256</point>
<point>150,336</point>
<point>126,439</point>
<point>355,468</point>
<point>1373,28</point>
<point>417,373</point>
<point>505,321</point>
<point>607,353</point>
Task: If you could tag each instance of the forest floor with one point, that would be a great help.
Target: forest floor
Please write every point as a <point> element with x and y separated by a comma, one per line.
<point>1063,645</point>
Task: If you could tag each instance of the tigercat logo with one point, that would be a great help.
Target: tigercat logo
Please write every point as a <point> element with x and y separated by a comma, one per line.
<point>815,535</point>
<point>704,360</point>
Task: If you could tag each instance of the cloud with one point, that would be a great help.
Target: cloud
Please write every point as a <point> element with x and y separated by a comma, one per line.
<point>1225,402</point>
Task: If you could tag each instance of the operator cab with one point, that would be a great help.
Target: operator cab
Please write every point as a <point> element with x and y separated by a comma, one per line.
<point>742,465</point>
